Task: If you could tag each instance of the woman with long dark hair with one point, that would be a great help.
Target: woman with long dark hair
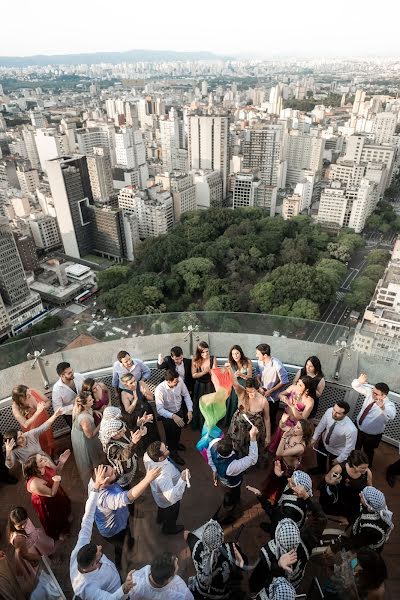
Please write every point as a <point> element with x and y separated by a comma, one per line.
<point>202,363</point>
<point>101,396</point>
<point>29,408</point>
<point>137,410</point>
<point>242,368</point>
<point>30,542</point>
<point>51,503</point>
<point>289,455</point>
<point>312,368</point>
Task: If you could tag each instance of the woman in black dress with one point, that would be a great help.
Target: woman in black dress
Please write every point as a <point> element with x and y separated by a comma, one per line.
<point>202,364</point>
<point>137,411</point>
<point>340,492</point>
<point>313,369</point>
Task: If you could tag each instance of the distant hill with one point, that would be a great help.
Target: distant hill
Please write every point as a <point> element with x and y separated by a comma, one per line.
<point>106,57</point>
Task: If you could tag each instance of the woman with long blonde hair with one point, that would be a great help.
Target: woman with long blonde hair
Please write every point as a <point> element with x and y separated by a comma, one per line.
<point>86,445</point>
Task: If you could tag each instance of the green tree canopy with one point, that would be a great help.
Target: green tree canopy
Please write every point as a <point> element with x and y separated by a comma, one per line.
<point>112,277</point>
<point>194,271</point>
<point>378,257</point>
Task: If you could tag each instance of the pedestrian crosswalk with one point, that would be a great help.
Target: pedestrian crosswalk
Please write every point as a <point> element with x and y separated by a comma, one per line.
<point>340,295</point>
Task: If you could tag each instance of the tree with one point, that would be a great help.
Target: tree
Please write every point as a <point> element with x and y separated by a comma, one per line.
<point>305,309</point>
<point>295,250</point>
<point>378,257</point>
<point>333,269</point>
<point>194,271</point>
<point>341,253</point>
<point>223,302</point>
<point>361,292</point>
<point>112,277</point>
<point>374,272</point>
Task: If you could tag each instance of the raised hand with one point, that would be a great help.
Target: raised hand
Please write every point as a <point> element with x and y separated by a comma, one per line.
<point>64,457</point>
<point>135,437</point>
<point>287,560</point>
<point>278,468</point>
<point>100,476</point>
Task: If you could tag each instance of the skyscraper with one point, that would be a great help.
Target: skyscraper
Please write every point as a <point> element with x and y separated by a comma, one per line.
<point>100,173</point>
<point>71,191</point>
<point>169,132</point>
<point>13,284</point>
<point>209,145</point>
<point>263,153</point>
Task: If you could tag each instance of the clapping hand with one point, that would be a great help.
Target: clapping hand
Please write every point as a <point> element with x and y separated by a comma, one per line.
<point>64,457</point>
<point>278,468</point>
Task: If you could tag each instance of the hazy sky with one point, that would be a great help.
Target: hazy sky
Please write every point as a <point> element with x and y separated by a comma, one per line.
<point>264,27</point>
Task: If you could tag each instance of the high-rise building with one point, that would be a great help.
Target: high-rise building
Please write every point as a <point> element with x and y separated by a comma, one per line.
<point>263,153</point>
<point>249,191</point>
<point>45,232</point>
<point>303,152</point>
<point>291,206</point>
<point>28,134</point>
<point>384,127</point>
<point>208,144</point>
<point>359,100</point>
<point>50,144</point>
<point>129,147</point>
<point>170,141</point>
<point>342,206</point>
<point>27,252</point>
<point>70,188</point>
<point>209,189</point>
<point>100,173</point>
<point>108,232</point>
<point>5,323</point>
<point>275,104</point>
<point>38,119</point>
<point>153,209</point>
<point>13,284</point>
<point>98,135</point>
<point>182,189</point>
<point>28,179</point>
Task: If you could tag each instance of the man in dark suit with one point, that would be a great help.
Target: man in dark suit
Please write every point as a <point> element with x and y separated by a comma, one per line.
<point>176,362</point>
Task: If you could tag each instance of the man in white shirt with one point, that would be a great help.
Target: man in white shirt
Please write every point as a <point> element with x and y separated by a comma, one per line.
<point>338,437</point>
<point>228,469</point>
<point>160,580</point>
<point>375,412</point>
<point>126,364</point>
<point>272,376</point>
<point>168,488</point>
<point>66,389</point>
<point>168,396</point>
<point>93,575</point>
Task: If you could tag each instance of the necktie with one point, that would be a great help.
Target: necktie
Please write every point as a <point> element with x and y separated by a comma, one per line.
<point>365,412</point>
<point>329,435</point>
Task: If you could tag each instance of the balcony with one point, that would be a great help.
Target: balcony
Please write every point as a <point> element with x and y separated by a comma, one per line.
<point>91,348</point>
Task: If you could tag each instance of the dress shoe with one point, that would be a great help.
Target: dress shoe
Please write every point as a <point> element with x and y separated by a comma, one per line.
<point>181,447</point>
<point>174,531</point>
<point>177,459</point>
<point>391,479</point>
<point>266,527</point>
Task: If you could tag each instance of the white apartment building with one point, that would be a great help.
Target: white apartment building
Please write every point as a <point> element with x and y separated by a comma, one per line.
<point>28,133</point>
<point>183,191</point>
<point>170,141</point>
<point>153,209</point>
<point>209,188</point>
<point>343,206</point>
<point>100,173</point>
<point>249,191</point>
<point>378,334</point>
<point>28,179</point>
<point>208,144</point>
<point>97,135</point>
<point>291,206</point>
<point>45,232</point>
<point>38,119</point>
<point>50,144</point>
<point>358,150</point>
<point>384,127</point>
<point>303,152</point>
<point>129,148</point>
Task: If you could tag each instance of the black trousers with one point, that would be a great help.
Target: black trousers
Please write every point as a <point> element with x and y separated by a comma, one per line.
<point>273,411</point>
<point>167,517</point>
<point>368,442</point>
<point>322,460</point>
<point>173,432</point>
<point>122,539</point>
<point>394,468</point>
<point>3,469</point>
<point>225,511</point>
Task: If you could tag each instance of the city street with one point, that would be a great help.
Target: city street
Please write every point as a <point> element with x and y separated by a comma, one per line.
<point>334,323</point>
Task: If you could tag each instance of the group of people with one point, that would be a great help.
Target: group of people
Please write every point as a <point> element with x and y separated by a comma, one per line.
<point>109,442</point>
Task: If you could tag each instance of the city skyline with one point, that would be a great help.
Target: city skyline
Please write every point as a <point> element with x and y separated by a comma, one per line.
<point>265,31</point>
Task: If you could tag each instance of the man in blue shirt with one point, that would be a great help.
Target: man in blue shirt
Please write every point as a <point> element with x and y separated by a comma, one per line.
<point>272,376</point>
<point>126,364</point>
<point>112,513</point>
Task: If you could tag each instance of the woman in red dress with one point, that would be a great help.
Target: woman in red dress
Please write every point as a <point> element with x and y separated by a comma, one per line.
<point>49,500</point>
<point>29,408</point>
<point>101,396</point>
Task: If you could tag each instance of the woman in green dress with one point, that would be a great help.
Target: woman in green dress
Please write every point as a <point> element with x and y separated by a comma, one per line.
<point>242,368</point>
